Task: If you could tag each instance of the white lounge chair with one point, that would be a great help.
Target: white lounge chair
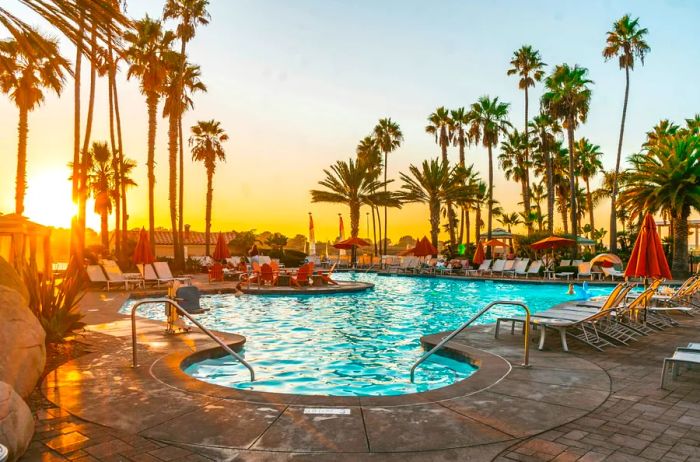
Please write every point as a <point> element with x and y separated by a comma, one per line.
<point>150,276</point>
<point>497,267</point>
<point>612,273</point>
<point>116,277</point>
<point>534,269</point>
<point>519,267</point>
<point>485,265</point>
<point>164,273</point>
<point>584,270</point>
<point>687,356</point>
<point>97,276</point>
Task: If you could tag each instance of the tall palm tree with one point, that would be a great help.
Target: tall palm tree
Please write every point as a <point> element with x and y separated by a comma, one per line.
<point>515,165</point>
<point>175,101</point>
<point>459,132</point>
<point>207,147</point>
<point>481,195</point>
<point>433,183</point>
<point>369,156</point>
<point>589,165</point>
<point>101,185</point>
<point>469,177</point>
<point>626,42</point>
<point>527,64</point>
<point>664,178</point>
<point>351,183</point>
<point>190,14</point>
<point>489,120</point>
<point>546,128</point>
<point>25,78</point>
<point>439,123</point>
<point>388,135</point>
<point>149,54</point>
<point>538,192</point>
<point>568,98</point>
<point>560,177</point>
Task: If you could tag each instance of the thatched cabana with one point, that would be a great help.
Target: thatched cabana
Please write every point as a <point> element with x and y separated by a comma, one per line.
<point>23,242</point>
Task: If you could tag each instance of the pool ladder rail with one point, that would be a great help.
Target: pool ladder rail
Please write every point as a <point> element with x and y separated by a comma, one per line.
<point>183,312</point>
<point>443,342</point>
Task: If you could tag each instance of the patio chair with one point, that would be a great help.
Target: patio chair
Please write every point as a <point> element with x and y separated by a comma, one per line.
<point>116,277</point>
<point>565,263</point>
<point>685,356</point>
<point>534,269</point>
<point>485,266</point>
<point>163,271</point>
<point>302,277</point>
<point>97,276</point>
<point>497,267</point>
<point>612,273</point>
<point>267,275</point>
<point>584,270</point>
<point>149,275</point>
<point>216,272</point>
<point>519,267</point>
<point>326,276</point>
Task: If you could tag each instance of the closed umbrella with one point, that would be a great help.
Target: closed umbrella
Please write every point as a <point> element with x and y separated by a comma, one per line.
<point>142,252</point>
<point>424,248</point>
<point>221,251</point>
<point>479,256</point>
<point>648,259</point>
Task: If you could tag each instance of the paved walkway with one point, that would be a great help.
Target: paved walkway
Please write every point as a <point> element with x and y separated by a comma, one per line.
<point>615,409</point>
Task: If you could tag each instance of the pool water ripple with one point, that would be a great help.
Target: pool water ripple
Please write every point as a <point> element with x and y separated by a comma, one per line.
<point>359,344</point>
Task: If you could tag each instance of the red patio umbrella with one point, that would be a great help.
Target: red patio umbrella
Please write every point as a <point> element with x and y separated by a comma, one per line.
<point>221,251</point>
<point>350,243</point>
<point>424,248</point>
<point>648,258</point>
<point>479,256</point>
<point>142,252</point>
<point>495,243</point>
<point>552,242</point>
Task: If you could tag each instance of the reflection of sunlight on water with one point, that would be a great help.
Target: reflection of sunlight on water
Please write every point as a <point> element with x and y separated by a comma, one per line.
<point>356,344</point>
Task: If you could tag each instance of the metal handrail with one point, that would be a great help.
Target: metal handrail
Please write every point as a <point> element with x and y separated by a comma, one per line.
<point>194,321</point>
<point>442,343</point>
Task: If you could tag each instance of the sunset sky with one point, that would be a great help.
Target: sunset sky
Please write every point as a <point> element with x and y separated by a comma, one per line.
<point>297,83</point>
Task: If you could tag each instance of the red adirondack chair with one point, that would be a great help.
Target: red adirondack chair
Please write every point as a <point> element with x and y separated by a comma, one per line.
<point>302,277</point>
<point>216,272</point>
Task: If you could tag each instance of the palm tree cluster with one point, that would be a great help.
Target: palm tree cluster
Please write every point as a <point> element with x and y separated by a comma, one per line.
<point>103,36</point>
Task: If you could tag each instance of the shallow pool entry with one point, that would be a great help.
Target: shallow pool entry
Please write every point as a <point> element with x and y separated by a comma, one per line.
<point>361,344</point>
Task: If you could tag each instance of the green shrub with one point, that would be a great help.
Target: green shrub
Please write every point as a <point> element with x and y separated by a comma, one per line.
<point>55,304</point>
<point>289,257</point>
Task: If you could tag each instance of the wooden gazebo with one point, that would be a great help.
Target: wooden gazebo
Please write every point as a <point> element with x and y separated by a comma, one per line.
<point>23,241</point>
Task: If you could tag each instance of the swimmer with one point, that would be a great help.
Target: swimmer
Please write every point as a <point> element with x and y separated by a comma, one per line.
<point>571,290</point>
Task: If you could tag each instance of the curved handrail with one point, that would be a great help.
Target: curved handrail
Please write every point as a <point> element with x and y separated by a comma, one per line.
<point>442,343</point>
<point>194,321</point>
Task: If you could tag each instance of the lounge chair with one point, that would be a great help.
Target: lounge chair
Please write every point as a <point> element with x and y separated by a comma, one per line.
<point>612,273</point>
<point>497,267</point>
<point>565,263</point>
<point>97,276</point>
<point>485,266</point>
<point>687,356</point>
<point>534,269</point>
<point>149,275</point>
<point>116,277</point>
<point>584,270</point>
<point>519,267</point>
<point>163,271</point>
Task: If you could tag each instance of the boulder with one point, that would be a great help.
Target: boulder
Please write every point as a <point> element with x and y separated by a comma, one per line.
<point>16,422</point>
<point>21,343</point>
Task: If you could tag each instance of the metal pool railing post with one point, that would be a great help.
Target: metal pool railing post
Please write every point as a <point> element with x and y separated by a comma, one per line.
<point>443,342</point>
<point>194,321</point>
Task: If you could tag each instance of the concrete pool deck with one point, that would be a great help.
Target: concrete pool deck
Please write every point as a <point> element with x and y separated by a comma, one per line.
<point>584,404</point>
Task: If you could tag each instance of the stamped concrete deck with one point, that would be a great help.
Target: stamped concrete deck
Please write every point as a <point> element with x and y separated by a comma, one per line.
<point>582,405</point>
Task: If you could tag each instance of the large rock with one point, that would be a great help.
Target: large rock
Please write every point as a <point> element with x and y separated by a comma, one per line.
<point>16,422</point>
<point>21,343</point>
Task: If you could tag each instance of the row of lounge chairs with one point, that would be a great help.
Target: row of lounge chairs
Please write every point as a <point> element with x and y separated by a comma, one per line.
<point>108,275</point>
<point>618,319</point>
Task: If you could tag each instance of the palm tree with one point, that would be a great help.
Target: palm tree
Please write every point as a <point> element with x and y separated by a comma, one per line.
<point>350,183</point>
<point>469,177</point>
<point>207,147</point>
<point>509,220</point>
<point>489,120</point>
<point>149,54</point>
<point>664,178</point>
<point>661,130</point>
<point>625,41</point>
<point>175,101</point>
<point>589,165</point>
<point>101,185</point>
<point>190,14</point>
<point>439,126</point>
<point>459,130</point>
<point>369,156</point>
<point>433,183</point>
<point>528,65</point>
<point>568,98</point>
<point>560,177</point>
<point>515,165</point>
<point>481,195</point>
<point>538,192</point>
<point>547,128</point>
<point>25,77</point>
<point>388,135</point>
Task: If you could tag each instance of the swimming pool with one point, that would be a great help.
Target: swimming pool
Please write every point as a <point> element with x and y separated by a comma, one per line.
<point>360,344</point>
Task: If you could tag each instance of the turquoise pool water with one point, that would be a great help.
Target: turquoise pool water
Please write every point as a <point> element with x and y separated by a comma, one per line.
<point>360,344</point>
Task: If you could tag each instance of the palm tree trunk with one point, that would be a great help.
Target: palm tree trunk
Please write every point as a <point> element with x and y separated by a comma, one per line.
<point>172,183</point>
<point>116,162</point>
<point>572,185</point>
<point>374,230</point>
<point>589,198</point>
<point>466,226</point>
<point>462,143</point>
<point>526,168</point>
<point>152,103</point>
<point>613,197</point>
<point>443,144</point>
<point>77,235</point>
<point>354,229</point>
<point>679,264</point>
<point>21,178</point>
<point>82,211</point>
<point>179,249</point>
<point>434,222</point>
<point>181,193</point>
<point>477,224</point>
<point>122,183</point>
<point>461,226</point>
<point>104,229</point>
<point>207,224</point>
<point>550,190</point>
<point>386,166</point>
<point>379,228</point>
<point>490,204</point>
